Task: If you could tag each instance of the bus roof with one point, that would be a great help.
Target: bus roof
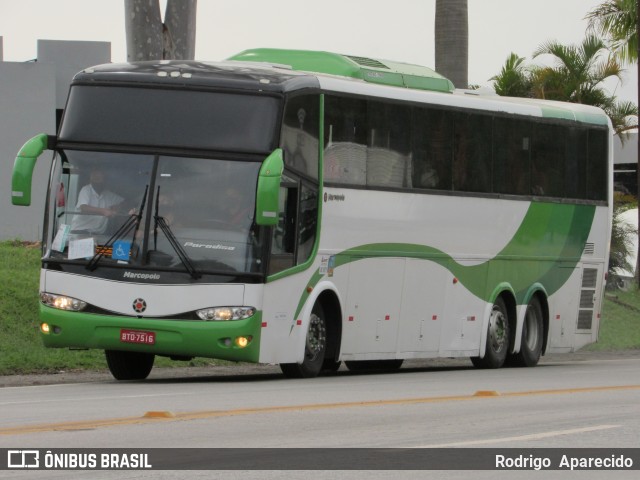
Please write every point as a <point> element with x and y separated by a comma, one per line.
<point>372,70</point>
<point>272,70</point>
<point>196,74</point>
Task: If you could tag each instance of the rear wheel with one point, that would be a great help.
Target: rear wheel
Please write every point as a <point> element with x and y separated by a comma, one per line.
<point>314,350</point>
<point>532,336</point>
<point>497,338</point>
<point>129,365</point>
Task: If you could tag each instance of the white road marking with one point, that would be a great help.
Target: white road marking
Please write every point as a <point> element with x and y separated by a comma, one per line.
<point>522,438</point>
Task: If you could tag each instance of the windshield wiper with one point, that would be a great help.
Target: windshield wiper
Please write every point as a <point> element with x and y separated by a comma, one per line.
<point>164,226</point>
<point>132,223</point>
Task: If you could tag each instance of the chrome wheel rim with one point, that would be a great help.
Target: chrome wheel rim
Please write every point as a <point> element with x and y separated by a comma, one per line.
<point>497,329</point>
<point>316,337</point>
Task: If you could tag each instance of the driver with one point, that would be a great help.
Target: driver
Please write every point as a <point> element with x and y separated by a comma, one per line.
<point>96,205</point>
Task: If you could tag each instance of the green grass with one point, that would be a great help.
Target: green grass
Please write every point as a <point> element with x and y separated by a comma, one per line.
<point>620,324</point>
<point>21,350</point>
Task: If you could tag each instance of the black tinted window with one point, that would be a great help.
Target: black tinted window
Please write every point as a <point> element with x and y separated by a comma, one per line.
<point>170,118</point>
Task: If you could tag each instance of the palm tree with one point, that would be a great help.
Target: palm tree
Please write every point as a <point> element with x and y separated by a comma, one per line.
<point>618,20</point>
<point>579,72</point>
<point>514,80</point>
<point>578,77</point>
<point>452,41</point>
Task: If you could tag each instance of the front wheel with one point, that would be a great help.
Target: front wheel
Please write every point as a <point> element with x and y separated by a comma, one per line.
<point>314,350</point>
<point>497,338</point>
<point>129,365</point>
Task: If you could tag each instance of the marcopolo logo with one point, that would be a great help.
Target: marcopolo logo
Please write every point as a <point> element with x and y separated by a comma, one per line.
<point>141,276</point>
<point>139,305</point>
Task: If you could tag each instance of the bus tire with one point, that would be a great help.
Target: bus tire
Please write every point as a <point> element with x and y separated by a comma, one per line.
<point>497,338</point>
<point>364,365</point>
<point>129,365</point>
<point>314,350</point>
<point>532,336</point>
<point>330,365</point>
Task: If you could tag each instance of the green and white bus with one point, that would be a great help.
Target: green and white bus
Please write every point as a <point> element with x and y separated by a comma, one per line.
<point>309,208</point>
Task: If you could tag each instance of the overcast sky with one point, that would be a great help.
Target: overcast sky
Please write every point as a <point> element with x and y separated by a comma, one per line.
<point>399,30</point>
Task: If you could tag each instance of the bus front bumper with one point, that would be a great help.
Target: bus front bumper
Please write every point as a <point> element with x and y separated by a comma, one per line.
<point>188,338</point>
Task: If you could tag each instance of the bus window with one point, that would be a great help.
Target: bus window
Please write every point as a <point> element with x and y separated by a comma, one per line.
<point>547,164</point>
<point>284,233</point>
<point>575,166</point>
<point>597,165</point>
<point>299,138</point>
<point>387,144</point>
<point>345,131</point>
<point>472,153</point>
<point>511,162</point>
<point>307,222</point>
<point>431,147</point>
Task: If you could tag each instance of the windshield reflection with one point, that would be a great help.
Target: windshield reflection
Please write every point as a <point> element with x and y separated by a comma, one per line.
<point>206,205</point>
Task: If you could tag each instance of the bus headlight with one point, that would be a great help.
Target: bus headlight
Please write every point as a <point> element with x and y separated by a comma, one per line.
<point>62,302</point>
<point>225,313</point>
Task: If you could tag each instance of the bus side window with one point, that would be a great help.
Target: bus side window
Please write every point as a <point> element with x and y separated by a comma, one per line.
<point>283,241</point>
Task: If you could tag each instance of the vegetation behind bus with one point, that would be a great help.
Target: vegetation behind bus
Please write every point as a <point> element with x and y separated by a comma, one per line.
<point>23,352</point>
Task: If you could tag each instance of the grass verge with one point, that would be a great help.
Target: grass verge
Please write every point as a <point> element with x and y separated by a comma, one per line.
<point>21,349</point>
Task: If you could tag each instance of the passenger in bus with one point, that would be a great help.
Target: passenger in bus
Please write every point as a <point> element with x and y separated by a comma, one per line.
<point>96,204</point>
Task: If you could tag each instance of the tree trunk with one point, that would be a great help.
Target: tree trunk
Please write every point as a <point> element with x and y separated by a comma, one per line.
<point>150,39</point>
<point>180,31</point>
<point>452,41</point>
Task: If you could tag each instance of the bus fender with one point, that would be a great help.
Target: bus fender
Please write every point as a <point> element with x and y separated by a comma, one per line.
<point>305,314</point>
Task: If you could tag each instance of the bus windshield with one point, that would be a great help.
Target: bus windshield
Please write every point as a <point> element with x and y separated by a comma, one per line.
<point>131,210</point>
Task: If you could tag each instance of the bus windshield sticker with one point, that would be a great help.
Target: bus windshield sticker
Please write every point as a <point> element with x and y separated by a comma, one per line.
<point>324,265</point>
<point>60,241</point>
<point>121,250</point>
<point>332,265</point>
<point>82,248</point>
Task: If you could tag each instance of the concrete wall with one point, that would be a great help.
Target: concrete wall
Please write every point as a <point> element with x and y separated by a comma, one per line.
<point>30,93</point>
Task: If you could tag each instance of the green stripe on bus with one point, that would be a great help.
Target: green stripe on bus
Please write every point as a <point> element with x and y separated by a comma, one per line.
<point>545,249</point>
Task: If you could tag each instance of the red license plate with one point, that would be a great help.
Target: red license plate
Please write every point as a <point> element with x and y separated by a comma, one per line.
<point>138,336</point>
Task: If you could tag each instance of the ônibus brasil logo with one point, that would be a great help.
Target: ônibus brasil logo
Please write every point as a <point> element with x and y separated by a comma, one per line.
<point>139,305</point>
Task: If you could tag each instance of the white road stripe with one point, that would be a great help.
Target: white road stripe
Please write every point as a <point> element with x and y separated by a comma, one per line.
<point>522,438</point>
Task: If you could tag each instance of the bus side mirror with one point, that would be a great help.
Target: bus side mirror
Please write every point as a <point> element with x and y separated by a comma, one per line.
<point>23,168</point>
<point>267,201</point>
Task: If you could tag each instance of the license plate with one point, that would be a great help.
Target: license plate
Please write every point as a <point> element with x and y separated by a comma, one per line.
<point>138,336</point>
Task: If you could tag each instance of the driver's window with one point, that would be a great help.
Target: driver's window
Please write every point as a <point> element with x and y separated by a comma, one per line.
<point>283,240</point>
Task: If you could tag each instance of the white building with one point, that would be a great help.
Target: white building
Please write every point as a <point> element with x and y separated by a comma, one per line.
<point>32,97</point>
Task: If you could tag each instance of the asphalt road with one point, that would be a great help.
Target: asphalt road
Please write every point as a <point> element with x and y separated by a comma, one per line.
<point>568,401</point>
